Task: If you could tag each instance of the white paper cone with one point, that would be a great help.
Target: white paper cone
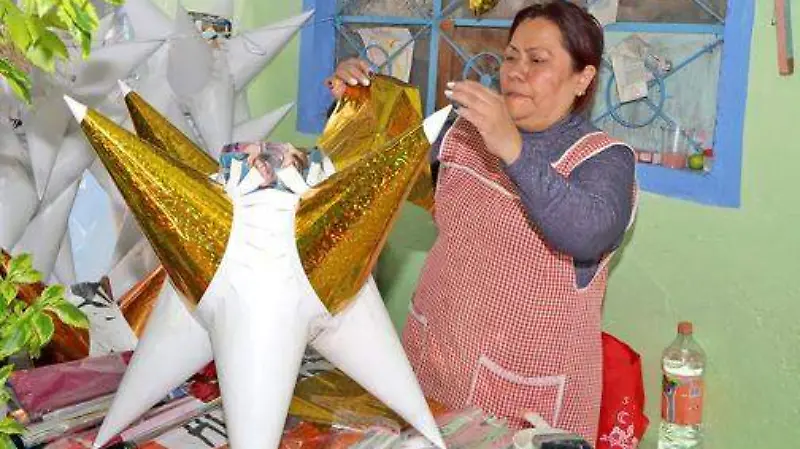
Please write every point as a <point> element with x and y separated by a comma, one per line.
<point>130,235</point>
<point>257,362</point>
<point>190,59</point>
<point>223,8</point>
<point>74,157</point>
<point>174,346</point>
<point>212,111</point>
<point>11,147</point>
<point>120,209</point>
<point>260,128</point>
<point>104,25</point>
<point>98,75</point>
<point>133,267</point>
<point>241,111</point>
<point>18,201</point>
<point>250,52</point>
<point>257,310</point>
<point>147,20</point>
<point>363,328</point>
<point>64,268</point>
<point>45,128</point>
<point>43,236</point>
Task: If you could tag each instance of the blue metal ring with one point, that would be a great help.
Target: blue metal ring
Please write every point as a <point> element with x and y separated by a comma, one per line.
<point>657,109</point>
<point>374,67</point>
<point>469,65</point>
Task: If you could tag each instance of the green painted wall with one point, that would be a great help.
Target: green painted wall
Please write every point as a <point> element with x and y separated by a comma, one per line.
<point>733,272</point>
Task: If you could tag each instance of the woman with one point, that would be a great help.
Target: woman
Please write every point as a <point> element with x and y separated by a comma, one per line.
<point>531,201</point>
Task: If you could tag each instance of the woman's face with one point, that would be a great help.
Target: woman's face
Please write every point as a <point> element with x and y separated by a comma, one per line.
<point>537,77</point>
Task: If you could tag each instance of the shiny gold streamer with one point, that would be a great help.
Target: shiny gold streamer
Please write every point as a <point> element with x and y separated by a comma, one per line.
<point>342,224</point>
<point>332,398</point>
<point>369,117</point>
<point>138,302</point>
<point>156,130</point>
<point>480,7</point>
<point>186,217</point>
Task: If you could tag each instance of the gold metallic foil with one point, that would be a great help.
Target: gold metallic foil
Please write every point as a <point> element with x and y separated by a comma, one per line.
<point>342,224</point>
<point>480,7</point>
<point>369,117</point>
<point>139,301</point>
<point>68,343</point>
<point>186,217</point>
<point>156,130</point>
<point>331,397</point>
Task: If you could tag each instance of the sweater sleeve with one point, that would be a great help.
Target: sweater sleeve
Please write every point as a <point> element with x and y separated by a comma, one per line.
<point>583,215</point>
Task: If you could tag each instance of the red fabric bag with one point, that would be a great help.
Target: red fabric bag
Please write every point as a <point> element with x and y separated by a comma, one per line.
<point>622,418</point>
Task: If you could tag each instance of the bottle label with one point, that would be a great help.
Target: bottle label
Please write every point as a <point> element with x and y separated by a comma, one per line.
<point>682,400</point>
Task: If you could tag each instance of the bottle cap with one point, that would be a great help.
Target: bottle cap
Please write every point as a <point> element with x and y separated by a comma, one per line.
<point>685,328</point>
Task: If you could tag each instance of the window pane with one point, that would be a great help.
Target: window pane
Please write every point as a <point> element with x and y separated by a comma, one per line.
<point>672,11</point>
<point>421,52</point>
<point>690,93</point>
<point>471,42</point>
<point>397,8</point>
<point>505,9</point>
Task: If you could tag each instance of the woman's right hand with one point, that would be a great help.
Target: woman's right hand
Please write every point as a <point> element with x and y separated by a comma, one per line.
<point>351,71</point>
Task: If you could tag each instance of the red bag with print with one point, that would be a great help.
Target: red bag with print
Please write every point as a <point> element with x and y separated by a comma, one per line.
<point>622,418</point>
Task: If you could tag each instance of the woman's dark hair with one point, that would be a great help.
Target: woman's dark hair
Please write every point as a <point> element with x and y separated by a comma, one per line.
<point>581,33</point>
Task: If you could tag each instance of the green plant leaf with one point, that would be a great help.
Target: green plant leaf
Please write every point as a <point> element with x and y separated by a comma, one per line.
<point>43,7</point>
<point>5,396</point>
<point>35,28</point>
<point>5,373</point>
<point>17,30</point>
<point>10,426</point>
<point>20,263</point>
<point>53,294</point>
<point>13,339</point>
<point>53,20</point>
<point>55,44</point>
<point>6,442</point>
<point>43,327</point>
<point>69,314</point>
<point>86,7</point>
<point>21,270</point>
<point>41,57</point>
<point>8,291</point>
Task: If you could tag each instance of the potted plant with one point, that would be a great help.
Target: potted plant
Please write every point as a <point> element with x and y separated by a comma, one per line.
<point>27,326</point>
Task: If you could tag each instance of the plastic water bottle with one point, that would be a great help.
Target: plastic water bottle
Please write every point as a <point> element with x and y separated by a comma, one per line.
<point>682,363</point>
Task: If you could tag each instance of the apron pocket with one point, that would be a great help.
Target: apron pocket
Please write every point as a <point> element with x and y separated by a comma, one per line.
<point>415,339</point>
<point>505,393</point>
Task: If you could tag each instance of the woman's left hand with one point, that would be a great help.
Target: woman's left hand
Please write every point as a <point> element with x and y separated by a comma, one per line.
<point>486,110</point>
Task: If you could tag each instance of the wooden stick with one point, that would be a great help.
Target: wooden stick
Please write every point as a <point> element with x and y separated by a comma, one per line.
<point>784,34</point>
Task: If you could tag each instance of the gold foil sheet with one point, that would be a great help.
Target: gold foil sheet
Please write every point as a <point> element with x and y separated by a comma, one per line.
<point>186,217</point>
<point>369,117</point>
<point>156,130</point>
<point>331,397</point>
<point>342,224</point>
<point>139,301</point>
<point>480,7</point>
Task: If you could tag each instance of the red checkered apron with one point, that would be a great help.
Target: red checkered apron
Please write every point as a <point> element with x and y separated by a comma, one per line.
<point>498,320</point>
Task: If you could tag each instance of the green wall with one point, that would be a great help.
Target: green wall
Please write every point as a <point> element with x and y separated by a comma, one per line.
<point>733,272</point>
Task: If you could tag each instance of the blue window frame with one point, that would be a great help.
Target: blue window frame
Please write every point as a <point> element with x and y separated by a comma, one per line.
<point>717,46</point>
